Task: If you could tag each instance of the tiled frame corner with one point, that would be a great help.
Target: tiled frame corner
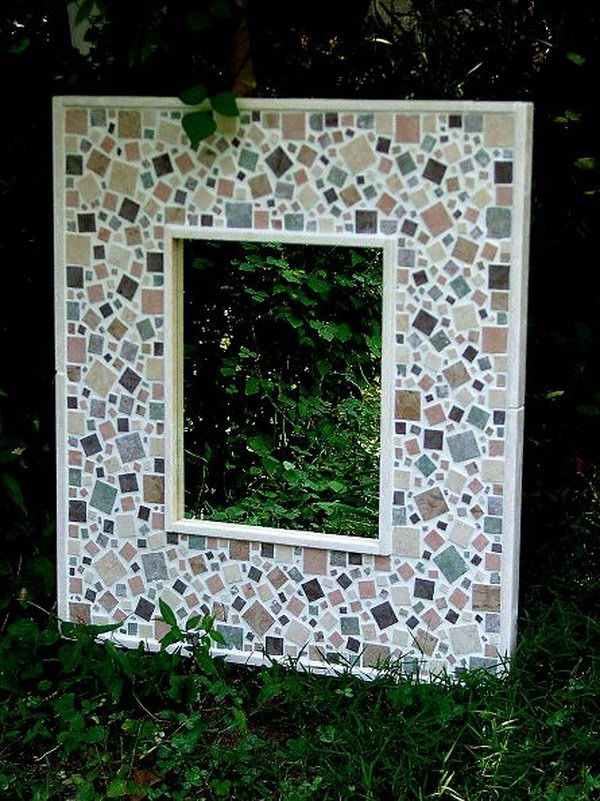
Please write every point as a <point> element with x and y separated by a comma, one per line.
<point>448,183</point>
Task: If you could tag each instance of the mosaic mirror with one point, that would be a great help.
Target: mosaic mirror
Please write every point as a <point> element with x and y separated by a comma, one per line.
<point>316,275</point>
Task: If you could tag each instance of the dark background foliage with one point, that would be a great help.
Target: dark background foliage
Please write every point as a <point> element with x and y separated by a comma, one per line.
<point>282,357</point>
<point>544,52</point>
<point>536,737</point>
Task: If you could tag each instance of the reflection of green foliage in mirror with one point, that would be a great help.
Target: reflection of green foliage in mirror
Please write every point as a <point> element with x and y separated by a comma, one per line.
<point>282,385</point>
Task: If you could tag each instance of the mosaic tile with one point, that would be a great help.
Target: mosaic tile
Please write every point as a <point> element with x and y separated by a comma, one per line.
<point>444,185</point>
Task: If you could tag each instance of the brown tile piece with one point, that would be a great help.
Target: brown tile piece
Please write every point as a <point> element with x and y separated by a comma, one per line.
<point>78,249</point>
<point>109,568</point>
<point>152,301</point>
<point>456,375</point>
<point>425,642</point>
<point>499,130</point>
<point>98,163</point>
<point>80,613</point>
<point>431,503</point>
<point>374,655</point>
<point>100,378</point>
<point>123,178</point>
<point>465,250</point>
<point>357,154</point>
<point>437,219</point>
<point>293,125</point>
<point>350,195</point>
<point>239,550</point>
<point>76,120</point>
<point>407,405</point>
<point>154,489</point>
<point>259,620</point>
<point>494,340</point>
<point>486,598</point>
<point>315,561</point>
<point>260,185</point>
<point>129,125</point>
<point>277,577</point>
<point>306,155</point>
<point>197,565</point>
<point>407,128</point>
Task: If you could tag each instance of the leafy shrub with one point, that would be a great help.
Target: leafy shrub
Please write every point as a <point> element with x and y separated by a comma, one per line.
<point>282,387</point>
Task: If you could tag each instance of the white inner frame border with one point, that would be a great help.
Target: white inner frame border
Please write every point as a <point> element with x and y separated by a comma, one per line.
<point>175,522</point>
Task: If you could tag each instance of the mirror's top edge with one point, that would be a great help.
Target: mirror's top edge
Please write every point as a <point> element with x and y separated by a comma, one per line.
<point>304,104</point>
<point>304,238</point>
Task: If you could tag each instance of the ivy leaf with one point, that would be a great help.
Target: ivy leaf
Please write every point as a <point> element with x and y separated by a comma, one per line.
<point>194,95</point>
<point>198,125</point>
<point>224,103</point>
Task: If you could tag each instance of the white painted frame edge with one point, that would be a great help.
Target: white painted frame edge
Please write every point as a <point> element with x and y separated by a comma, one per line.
<point>519,272</point>
<point>516,354</point>
<point>261,659</point>
<point>173,322</point>
<point>305,104</point>
<point>62,503</point>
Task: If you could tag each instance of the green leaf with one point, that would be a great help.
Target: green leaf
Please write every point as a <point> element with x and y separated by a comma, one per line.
<point>252,385</point>
<point>343,332</point>
<point>589,411</point>
<point>576,58</point>
<point>220,9</point>
<point>260,444</point>
<point>14,491</point>
<point>167,613</point>
<point>194,95</point>
<point>16,49</point>
<point>217,637</point>
<point>117,789</point>
<point>84,11</point>
<point>65,706</point>
<point>197,20</point>
<point>568,117</point>
<point>224,103</point>
<point>170,638</point>
<point>193,622</point>
<point>586,163</point>
<point>198,125</point>
<point>240,719</point>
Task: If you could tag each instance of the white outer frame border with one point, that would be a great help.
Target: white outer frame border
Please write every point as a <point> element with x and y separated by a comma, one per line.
<point>523,113</point>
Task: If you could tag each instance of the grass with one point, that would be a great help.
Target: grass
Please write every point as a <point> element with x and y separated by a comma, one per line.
<point>87,722</point>
<point>84,722</point>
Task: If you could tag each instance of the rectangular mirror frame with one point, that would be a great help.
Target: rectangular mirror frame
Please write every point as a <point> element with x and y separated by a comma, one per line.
<point>444,186</point>
<point>175,519</point>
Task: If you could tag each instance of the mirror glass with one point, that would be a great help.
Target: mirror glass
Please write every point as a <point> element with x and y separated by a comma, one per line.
<point>282,380</point>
